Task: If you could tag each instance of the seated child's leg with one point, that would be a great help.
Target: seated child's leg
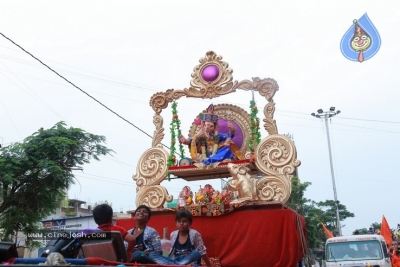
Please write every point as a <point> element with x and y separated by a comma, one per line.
<point>194,256</point>
<point>160,259</point>
<point>141,257</point>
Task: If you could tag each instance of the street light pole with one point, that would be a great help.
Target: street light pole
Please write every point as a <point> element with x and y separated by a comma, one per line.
<point>325,115</point>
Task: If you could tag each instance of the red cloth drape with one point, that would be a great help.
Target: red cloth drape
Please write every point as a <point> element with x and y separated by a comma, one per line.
<point>252,237</point>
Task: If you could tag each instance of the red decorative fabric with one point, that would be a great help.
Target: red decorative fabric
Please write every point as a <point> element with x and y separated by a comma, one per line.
<point>99,262</point>
<point>251,237</point>
<point>222,164</point>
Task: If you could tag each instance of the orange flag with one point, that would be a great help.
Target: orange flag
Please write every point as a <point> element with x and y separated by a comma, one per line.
<point>386,232</point>
<point>327,232</point>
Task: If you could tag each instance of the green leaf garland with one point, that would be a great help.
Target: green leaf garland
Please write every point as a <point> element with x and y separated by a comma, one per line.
<point>255,137</point>
<point>175,130</point>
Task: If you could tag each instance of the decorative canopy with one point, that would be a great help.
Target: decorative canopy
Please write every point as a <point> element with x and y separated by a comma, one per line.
<point>274,158</point>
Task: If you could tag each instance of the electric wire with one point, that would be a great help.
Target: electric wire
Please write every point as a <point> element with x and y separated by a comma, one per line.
<point>112,111</point>
<point>8,114</point>
<point>35,96</point>
<point>154,89</point>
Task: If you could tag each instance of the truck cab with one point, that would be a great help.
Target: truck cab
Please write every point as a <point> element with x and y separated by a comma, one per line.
<point>357,250</point>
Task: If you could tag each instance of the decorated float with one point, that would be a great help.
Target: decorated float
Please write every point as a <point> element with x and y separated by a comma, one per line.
<point>246,223</point>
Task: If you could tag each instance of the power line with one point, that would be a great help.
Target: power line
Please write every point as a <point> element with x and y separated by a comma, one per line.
<point>115,113</point>
<point>9,117</point>
<point>398,122</point>
<point>33,92</point>
<point>379,130</point>
<point>117,80</point>
<point>148,88</point>
<point>109,180</point>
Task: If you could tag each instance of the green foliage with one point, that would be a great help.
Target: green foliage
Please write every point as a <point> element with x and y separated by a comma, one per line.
<point>70,213</point>
<point>376,225</point>
<point>315,213</point>
<point>362,231</point>
<point>175,129</point>
<point>329,216</point>
<point>34,174</point>
<point>255,137</point>
<point>307,209</point>
<point>102,202</point>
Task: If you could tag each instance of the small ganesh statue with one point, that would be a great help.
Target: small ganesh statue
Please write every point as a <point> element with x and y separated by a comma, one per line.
<point>185,196</point>
<point>201,196</point>
<point>208,145</point>
<point>209,191</point>
<point>226,196</point>
<point>216,197</point>
<point>204,195</point>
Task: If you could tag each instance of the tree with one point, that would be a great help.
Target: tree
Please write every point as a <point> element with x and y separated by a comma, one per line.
<point>315,212</point>
<point>102,202</point>
<point>376,226</point>
<point>308,210</point>
<point>35,174</point>
<point>362,231</point>
<point>329,215</point>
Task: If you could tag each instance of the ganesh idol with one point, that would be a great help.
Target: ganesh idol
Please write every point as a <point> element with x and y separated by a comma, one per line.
<point>209,146</point>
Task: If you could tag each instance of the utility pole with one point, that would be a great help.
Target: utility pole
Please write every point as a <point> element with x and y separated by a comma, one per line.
<point>325,115</point>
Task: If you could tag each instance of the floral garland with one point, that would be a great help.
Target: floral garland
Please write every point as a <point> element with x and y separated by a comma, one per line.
<point>175,133</point>
<point>216,142</point>
<point>203,143</point>
<point>255,137</point>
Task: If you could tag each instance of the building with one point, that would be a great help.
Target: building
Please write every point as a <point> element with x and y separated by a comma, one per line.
<point>74,216</point>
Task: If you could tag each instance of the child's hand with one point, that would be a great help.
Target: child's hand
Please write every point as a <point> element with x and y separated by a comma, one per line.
<point>183,140</point>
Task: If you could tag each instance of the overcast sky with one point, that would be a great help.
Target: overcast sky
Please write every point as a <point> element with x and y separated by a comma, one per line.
<point>122,52</point>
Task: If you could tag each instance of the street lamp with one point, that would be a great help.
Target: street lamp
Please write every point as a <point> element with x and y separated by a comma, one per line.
<point>325,115</point>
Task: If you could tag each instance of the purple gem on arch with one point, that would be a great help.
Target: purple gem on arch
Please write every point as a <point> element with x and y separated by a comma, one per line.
<point>210,73</point>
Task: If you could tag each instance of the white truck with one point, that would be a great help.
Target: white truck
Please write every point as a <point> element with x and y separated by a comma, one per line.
<point>357,250</point>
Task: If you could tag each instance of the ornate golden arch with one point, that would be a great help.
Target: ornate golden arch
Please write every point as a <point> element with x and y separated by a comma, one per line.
<point>276,155</point>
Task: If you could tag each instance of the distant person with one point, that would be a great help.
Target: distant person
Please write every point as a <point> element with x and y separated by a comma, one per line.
<point>335,233</point>
<point>396,259</point>
<point>103,215</point>
<point>371,231</point>
<point>188,246</point>
<point>391,254</point>
<point>147,238</point>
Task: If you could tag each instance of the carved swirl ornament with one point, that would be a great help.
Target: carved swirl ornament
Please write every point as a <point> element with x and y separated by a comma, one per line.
<point>275,156</point>
<point>270,123</point>
<point>213,78</point>
<point>152,167</point>
<point>153,196</point>
<point>210,72</point>
<point>274,188</point>
<point>159,132</point>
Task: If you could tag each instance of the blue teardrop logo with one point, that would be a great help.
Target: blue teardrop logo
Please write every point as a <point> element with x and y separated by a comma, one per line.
<point>361,41</point>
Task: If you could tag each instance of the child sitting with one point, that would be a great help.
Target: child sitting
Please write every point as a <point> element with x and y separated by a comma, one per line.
<point>102,215</point>
<point>187,243</point>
